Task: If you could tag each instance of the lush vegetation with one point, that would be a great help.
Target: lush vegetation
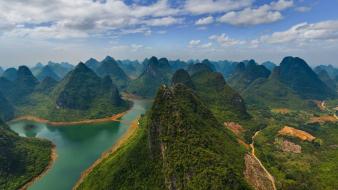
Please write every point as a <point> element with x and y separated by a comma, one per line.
<point>180,145</point>
<point>80,95</point>
<point>314,168</point>
<point>226,103</point>
<point>156,73</point>
<point>109,67</point>
<point>21,158</point>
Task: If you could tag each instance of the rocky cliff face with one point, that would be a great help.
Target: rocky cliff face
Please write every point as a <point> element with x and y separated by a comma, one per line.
<point>185,135</point>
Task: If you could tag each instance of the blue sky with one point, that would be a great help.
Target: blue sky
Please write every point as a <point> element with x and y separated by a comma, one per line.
<point>34,31</point>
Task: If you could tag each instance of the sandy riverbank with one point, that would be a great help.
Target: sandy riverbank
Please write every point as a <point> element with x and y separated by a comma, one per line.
<point>115,117</point>
<point>53,157</point>
<point>130,132</point>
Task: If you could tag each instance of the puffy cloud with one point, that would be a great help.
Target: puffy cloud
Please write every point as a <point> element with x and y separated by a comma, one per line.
<point>281,5</point>
<point>205,20</point>
<point>194,42</point>
<point>215,6</point>
<point>81,16</point>
<point>225,40</point>
<point>267,13</point>
<point>305,32</point>
<point>164,21</point>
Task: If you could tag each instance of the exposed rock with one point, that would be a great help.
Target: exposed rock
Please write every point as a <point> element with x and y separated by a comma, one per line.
<point>256,175</point>
<point>288,146</point>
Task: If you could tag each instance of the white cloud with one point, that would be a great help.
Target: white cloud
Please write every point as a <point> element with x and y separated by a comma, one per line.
<point>164,21</point>
<point>197,44</point>
<point>267,13</point>
<point>281,5</point>
<point>55,18</point>
<point>225,40</point>
<point>207,45</point>
<point>205,20</point>
<point>194,42</point>
<point>304,33</point>
<point>215,6</point>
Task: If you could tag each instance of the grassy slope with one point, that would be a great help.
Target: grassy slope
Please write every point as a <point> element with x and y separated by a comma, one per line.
<point>202,154</point>
<point>21,158</point>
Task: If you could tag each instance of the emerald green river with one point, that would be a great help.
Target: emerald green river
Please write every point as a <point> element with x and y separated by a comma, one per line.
<point>77,147</point>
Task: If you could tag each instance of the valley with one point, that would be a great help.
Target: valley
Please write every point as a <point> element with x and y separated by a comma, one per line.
<point>176,125</point>
<point>78,146</point>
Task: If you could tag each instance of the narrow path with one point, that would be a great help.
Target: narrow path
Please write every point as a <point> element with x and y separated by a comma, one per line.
<point>271,178</point>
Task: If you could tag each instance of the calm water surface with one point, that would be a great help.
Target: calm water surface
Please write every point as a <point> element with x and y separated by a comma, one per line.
<point>77,147</point>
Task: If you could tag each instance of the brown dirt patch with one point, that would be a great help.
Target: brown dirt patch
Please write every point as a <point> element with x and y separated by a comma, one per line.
<point>302,135</point>
<point>234,127</point>
<point>323,119</point>
<point>281,110</point>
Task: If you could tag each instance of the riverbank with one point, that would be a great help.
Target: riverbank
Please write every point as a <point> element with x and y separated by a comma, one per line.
<point>130,132</point>
<point>53,156</point>
<point>115,117</point>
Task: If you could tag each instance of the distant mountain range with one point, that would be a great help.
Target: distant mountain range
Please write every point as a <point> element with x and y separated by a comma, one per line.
<point>292,81</point>
<point>156,73</point>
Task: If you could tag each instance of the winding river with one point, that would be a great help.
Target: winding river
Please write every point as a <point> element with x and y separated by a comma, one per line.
<point>77,147</point>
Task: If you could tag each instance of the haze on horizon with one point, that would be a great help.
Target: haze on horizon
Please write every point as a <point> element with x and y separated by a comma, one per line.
<point>72,31</point>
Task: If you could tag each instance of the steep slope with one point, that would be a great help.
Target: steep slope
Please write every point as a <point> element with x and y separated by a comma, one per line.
<point>156,72</point>
<point>180,145</point>
<point>198,67</point>
<point>269,65</point>
<point>324,76</point>
<point>10,74</point>
<point>45,72</point>
<point>37,68</point>
<point>181,76</point>
<point>246,73</point>
<point>61,69</point>
<point>21,158</point>
<point>296,74</point>
<point>274,94</point>
<point>132,68</point>
<point>92,63</point>
<point>46,86</point>
<point>81,87</point>
<point>109,67</point>
<point>1,71</point>
<point>24,84</point>
<point>330,69</point>
<point>6,108</point>
<point>225,102</point>
<point>225,67</point>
